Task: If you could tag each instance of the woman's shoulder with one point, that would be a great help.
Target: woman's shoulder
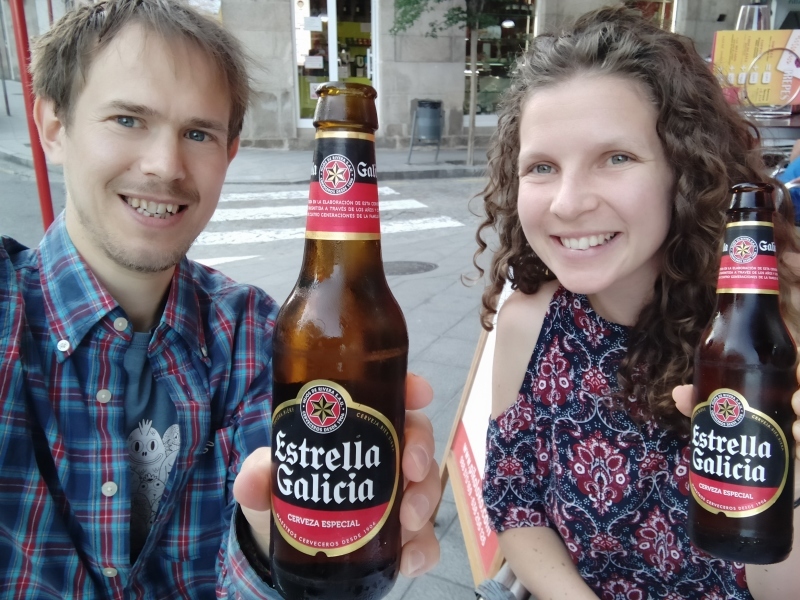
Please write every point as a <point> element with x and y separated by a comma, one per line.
<point>522,315</point>
<point>519,323</point>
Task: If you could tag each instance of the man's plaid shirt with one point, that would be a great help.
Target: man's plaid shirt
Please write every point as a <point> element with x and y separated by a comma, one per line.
<point>62,343</point>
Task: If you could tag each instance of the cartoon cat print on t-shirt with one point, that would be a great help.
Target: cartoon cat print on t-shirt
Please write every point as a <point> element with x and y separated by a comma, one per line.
<point>152,457</point>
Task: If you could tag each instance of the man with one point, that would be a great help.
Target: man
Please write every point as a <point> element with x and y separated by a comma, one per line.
<point>135,385</point>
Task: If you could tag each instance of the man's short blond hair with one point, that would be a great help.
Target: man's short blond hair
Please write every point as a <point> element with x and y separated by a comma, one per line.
<point>62,57</point>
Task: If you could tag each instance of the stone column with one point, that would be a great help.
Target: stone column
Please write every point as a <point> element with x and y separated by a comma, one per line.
<point>265,29</point>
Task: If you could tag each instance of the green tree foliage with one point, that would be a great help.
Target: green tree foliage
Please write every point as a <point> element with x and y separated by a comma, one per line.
<point>470,14</point>
<point>408,12</point>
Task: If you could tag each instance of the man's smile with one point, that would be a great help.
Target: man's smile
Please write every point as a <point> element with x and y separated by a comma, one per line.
<point>158,210</point>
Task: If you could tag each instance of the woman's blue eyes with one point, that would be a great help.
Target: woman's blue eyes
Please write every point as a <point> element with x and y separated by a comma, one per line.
<point>126,121</point>
<point>545,169</point>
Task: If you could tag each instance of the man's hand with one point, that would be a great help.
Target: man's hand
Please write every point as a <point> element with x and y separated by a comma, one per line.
<point>420,498</point>
<point>682,395</point>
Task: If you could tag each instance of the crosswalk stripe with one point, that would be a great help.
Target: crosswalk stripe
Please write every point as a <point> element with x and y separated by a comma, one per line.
<point>213,262</point>
<point>255,236</point>
<point>419,224</point>
<point>285,212</point>
<point>286,195</point>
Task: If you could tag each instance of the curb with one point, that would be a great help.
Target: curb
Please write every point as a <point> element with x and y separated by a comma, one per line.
<point>384,175</point>
<point>17,160</point>
<point>424,172</point>
<point>26,162</point>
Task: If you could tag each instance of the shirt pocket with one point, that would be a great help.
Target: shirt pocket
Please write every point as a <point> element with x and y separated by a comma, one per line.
<point>202,516</point>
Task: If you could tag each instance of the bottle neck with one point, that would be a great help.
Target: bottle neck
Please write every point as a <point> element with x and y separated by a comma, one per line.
<point>749,262</point>
<point>351,258</point>
<point>343,192</point>
<point>343,221</point>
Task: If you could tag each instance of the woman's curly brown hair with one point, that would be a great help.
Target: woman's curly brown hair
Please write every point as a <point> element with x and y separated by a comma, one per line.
<point>709,146</point>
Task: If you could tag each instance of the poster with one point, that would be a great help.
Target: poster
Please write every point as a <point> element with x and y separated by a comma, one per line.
<point>465,459</point>
<point>761,68</point>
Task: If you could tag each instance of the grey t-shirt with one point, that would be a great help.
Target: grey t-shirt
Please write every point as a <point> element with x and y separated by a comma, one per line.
<point>153,440</point>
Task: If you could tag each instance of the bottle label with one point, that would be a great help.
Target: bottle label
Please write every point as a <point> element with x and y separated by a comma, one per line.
<point>343,195</point>
<point>337,466</point>
<point>740,458</point>
<point>749,263</point>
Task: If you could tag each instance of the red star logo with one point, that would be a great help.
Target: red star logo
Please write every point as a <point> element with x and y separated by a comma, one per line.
<point>726,410</point>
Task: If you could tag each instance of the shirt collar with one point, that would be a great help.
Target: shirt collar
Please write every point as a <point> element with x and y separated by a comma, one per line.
<point>182,310</point>
<point>74,300</point>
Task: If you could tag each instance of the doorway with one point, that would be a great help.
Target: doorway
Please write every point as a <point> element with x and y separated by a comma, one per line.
<point>333,42</point>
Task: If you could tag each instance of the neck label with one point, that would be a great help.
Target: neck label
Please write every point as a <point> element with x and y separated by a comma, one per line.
<point>343,194</point>
<point>749,264</point>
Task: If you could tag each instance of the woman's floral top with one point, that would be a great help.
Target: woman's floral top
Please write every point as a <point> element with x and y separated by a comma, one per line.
<point>616,492</point>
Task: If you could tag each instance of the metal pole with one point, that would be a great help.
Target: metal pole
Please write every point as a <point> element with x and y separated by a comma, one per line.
<point>50,11</point>
<point>5,41</point>
<point>3,63</point>
<point>5,91</point>
<point>39,162</point>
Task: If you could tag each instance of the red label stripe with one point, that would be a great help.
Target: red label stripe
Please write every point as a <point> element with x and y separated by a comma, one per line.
<point>327,530</point>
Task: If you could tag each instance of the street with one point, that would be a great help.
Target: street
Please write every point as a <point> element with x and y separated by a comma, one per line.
<point>428,241</point>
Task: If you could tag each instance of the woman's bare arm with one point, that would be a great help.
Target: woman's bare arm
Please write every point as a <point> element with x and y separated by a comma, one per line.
<point>540,560</point>
<point>537,555</point>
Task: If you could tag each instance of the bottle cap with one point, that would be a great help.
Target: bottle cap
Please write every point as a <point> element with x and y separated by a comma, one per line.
<point>752,195</point>
<point>346,104</point>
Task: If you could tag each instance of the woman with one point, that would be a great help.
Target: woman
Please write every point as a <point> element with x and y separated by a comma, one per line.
<point>609,179</point>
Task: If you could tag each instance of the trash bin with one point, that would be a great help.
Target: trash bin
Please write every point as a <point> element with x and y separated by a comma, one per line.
<point>426,126</point>
<point>429,122</point>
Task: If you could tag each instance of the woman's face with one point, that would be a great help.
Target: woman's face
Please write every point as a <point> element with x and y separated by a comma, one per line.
<point>595,188</point>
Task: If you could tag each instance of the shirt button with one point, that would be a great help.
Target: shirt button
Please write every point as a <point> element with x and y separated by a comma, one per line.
<point>109,489</point>
<point>110,572</point>
<point>103,396</point>
<point>63,345</point>
<point>120,323</point>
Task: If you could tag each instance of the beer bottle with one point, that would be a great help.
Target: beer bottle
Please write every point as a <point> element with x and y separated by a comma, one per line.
<point>741,474</point>
<point>339,364</point>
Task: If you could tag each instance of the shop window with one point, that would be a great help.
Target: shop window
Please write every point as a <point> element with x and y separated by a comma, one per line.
<point>507,30</point>
<point>660,11</point>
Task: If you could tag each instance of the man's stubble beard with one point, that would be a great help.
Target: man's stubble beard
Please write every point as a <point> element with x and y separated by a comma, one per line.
<point>113,251</point>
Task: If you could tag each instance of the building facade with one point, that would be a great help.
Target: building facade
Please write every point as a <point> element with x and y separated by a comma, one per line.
<point>297,44</point>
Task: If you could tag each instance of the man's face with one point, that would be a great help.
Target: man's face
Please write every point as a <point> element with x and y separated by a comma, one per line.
<point>145,152</point>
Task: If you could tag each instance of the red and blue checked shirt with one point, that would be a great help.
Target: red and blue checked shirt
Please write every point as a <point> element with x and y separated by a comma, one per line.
<point>65,497</point>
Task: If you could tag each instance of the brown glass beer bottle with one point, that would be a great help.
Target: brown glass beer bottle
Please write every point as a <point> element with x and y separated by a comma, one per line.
<point>340,355</point>
<point>741,474</point>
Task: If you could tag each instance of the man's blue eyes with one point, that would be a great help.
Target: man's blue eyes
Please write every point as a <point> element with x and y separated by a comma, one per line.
<point>194,135</point>
<point>197,136</point>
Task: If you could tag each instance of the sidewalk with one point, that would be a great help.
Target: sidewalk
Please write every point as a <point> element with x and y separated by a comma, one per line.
<point>260,166</point>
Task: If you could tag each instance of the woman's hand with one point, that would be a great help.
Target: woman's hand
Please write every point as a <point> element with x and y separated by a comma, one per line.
<point>682,395</point>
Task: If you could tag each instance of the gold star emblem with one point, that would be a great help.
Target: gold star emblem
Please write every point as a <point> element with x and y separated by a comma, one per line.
<point>322,409</point>
<point>726,410</point>
<point>742,249</point>
<point>335,174</point>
